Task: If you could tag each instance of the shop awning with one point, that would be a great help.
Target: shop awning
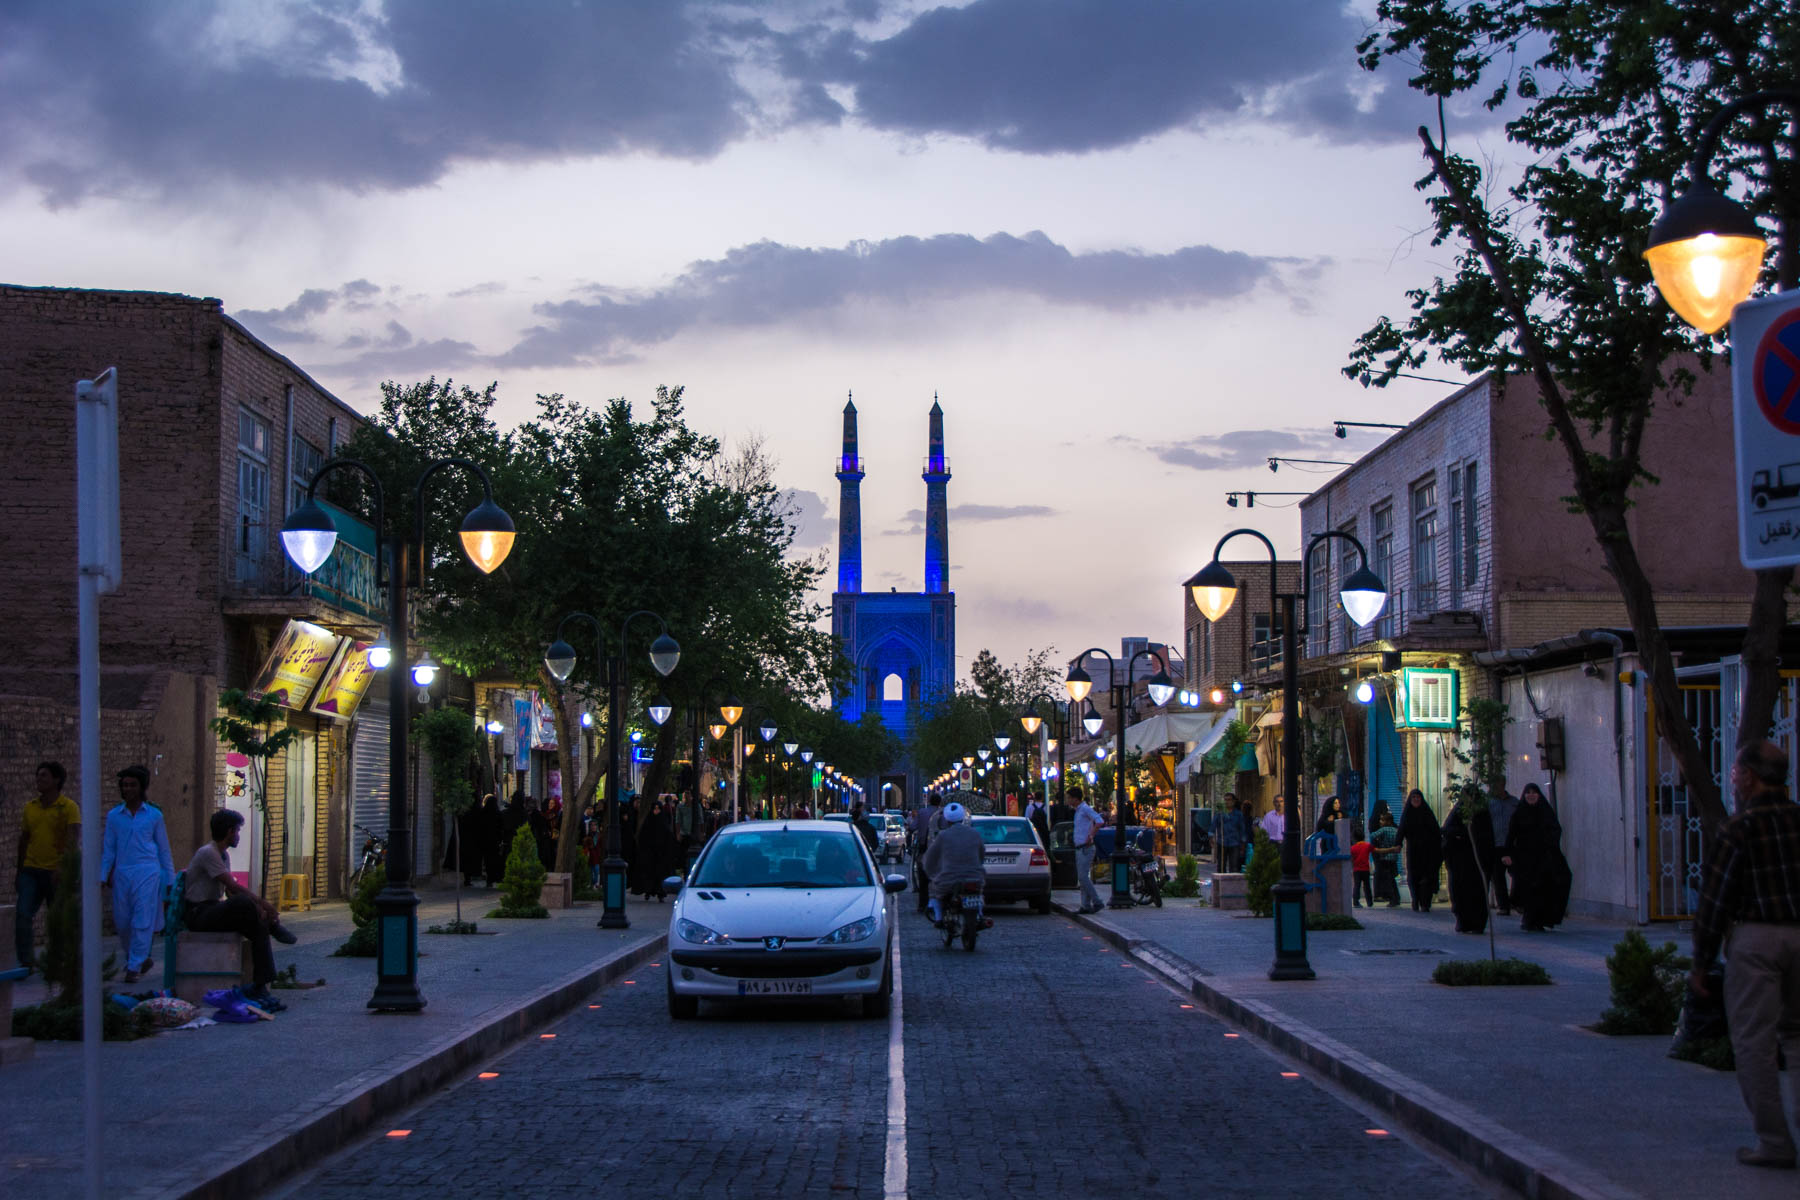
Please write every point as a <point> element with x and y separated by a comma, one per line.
<point>1163,728</point>
<point>1213,736</point>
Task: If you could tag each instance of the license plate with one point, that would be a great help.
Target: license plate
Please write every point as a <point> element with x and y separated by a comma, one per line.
<point>774,987</point>
<point>992,860</point>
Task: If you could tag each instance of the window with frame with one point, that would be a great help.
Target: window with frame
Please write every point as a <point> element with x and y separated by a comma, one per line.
<point>1471,539</point>
<point>1318,600</point>
<point>1347,564</point>
<point>1381,549</point>
<point>1265,643</point>
<point>308,458</point>
<point>251,536</point>
<point>1456,536</point>
<point>1424,545</point>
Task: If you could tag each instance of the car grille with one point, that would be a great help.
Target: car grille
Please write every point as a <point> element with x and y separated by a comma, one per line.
<point>776,964</point>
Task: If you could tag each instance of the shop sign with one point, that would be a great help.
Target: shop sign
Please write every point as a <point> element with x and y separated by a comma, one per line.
<point>347,682</point>
<point>295,666</point>
<point>1427,698</point>
<point>543,735</point>
<point>522,722</point>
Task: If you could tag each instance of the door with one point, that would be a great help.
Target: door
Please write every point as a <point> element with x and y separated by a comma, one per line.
<point>300,823</point>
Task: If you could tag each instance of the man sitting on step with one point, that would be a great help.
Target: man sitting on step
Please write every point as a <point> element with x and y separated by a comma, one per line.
<point>217,903</point>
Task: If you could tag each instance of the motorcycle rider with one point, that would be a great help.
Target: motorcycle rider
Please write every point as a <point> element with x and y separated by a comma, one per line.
<point>953,858</point>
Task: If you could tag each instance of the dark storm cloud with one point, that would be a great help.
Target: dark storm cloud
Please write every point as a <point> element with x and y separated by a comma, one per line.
<point>130,97</point>
<point>288,323</point>
<point>768,284</point>
<point>1243,448</point>
<point>99,96</point>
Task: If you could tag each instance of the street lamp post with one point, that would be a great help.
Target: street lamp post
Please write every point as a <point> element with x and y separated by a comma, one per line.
<point>560,659</point>
<point>1079,684</point>
<point>1363,595</point>
<point>308,536</point>
<point>1706,251</point>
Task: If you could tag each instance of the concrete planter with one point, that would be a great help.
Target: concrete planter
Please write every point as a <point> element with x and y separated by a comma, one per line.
<point>558,890</point>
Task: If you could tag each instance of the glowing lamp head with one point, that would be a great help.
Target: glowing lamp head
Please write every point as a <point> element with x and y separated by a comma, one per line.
<point>487,536</point>
<point>1365,692</point>
<point>664,654</point>
<point>1213,589</point>
<point>380,655</point>
<point>660,708</point>
<point>1078,684</point>
<point>1363,595</point>
<point>1706,253</point>
<point>587,720</point>
<point>1160,688</point>
<point>716,731</point>
<point>789,747</point>
<point>1002,742</point>
<point>559,659</point>
<point>1218,695</point>
<point>1100,754</point>
<point>1030,720</point>
<point>731,710</point>
<point>495,728</point>
<point>806,755</point>
<point>767,730</point>
<point>308,536</point>
<point>983,753</point>
<point>424,671</point>
<point>1091,720</point>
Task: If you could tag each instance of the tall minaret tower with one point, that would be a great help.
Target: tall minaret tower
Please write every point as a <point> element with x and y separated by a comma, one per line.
<point>937,505</point>
<point>850,474</point>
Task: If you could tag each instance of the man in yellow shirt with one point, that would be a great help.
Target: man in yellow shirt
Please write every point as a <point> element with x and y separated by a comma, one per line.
<point>50,824</point>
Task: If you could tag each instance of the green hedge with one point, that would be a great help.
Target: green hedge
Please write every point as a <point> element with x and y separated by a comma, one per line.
<point>1508,972</point>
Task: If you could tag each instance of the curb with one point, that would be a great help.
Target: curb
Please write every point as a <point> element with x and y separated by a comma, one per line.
<point>1531,1169</point>
<point>304,1137</point>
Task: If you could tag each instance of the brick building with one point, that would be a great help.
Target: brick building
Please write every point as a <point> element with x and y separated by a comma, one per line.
<point>217,435</point>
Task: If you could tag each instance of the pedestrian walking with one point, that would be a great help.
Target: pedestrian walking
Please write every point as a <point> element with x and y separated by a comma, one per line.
<point>1384,848</point>
<point>1750,904</point>
<point>1500,810</point>
<point>1274,822</point>
<point>1541,877</point>
<point>135,863</point>
<point>1423,842</point>
<point>1234,830</point>
<point>1087,824</point>
<point>1468,848</point>
<point>1038,813</point>
<point>1330,813</point>
<point>48,825</point>
<point>490,843</point>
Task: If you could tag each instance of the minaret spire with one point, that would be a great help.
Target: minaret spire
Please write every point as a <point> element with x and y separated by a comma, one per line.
<point>850,474</point>
<point>937,504</point>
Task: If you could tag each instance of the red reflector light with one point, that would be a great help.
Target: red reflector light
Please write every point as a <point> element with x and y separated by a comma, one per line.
<point>1039,859</point>
<point>398,1133</point>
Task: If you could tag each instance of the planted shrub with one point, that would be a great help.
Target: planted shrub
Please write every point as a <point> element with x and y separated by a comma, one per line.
<point>1507,972</point>
<point>56,1021</point>
<point>361,943</point>
<point>1187,877</point>
<point>1262,874</point>
<point>1647,987</point>
<point>1325,922</point>
<point>523,883</point>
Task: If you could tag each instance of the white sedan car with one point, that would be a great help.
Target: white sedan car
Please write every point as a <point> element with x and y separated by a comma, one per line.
<point>1017,865</point>
<point>782,909</point>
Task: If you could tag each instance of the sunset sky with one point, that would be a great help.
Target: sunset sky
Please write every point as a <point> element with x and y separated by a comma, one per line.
<point>1128,243</point>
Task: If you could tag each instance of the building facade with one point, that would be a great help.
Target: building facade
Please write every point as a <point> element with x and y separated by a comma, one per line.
<point>902,645</point>
<point>218,436</point>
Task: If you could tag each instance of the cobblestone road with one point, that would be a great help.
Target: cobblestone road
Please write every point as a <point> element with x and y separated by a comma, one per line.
<point>1042,1065</point>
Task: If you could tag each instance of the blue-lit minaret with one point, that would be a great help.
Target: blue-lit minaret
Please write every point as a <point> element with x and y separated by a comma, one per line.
<point>937,506</point>
<point>850,474</point>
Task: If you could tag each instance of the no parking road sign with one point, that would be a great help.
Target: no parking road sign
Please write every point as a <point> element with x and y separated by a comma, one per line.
<point>1765,393</point>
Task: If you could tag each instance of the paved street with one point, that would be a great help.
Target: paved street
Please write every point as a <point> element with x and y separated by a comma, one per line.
<point>1042,1065</point>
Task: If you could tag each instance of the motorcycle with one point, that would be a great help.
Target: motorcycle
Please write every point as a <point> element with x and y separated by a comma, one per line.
<point>1148,875</point>
<point>963,916</point>
<point>374,854</point>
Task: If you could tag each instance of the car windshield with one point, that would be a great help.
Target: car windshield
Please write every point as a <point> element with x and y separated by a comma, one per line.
<point>784,858</point>
<point>1012,831</point>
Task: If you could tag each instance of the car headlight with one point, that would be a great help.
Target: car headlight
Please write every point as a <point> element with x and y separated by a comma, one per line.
<point>856,931</point>
<point>691,931</point>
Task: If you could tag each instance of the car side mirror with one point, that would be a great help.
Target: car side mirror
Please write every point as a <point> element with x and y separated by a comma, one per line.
<point>672,883</point>
<point>894,883</point>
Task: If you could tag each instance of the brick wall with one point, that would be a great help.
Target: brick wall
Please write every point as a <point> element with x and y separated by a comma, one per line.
<point>1233,636</point>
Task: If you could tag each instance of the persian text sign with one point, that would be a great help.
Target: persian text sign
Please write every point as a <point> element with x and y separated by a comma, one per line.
<point>1765,398</point>
<point>296,664</point>
<point>348,682</point>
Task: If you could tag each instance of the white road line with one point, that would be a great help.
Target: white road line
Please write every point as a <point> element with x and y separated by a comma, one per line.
<point>894,1172</point>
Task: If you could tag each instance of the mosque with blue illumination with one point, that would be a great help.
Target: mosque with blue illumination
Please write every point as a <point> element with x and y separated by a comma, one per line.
<point>902,644</point>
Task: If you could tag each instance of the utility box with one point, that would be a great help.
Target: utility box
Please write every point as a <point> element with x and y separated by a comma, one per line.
<point>1551,754</point>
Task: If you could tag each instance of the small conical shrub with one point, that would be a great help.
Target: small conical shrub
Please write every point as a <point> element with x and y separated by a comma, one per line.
<point>1647,987</point>
<point>1262,875</point>
<point>523,884</point>
<point>362,940</point>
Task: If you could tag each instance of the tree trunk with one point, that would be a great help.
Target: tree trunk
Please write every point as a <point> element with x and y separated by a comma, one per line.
<point>577,794</point>
<point>1762,655</point>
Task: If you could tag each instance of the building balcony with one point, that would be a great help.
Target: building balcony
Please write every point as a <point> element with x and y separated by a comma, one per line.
<point>848,464</point>
<point>341,595</point>
<point>937,466</point>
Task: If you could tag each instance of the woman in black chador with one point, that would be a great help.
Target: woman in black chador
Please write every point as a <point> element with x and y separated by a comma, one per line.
<point>1424,845</point>
<point>1540,873</point>
<point>1468,850</point>
<point>1330,813</point>
<point>489,837</point>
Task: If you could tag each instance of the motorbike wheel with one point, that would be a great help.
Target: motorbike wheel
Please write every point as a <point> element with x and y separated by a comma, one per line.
<point>1155,887</point>
<point>950,931</point>
<point>968,937</point>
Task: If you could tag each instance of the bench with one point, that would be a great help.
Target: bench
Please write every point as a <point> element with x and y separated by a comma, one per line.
<point>196,963</point>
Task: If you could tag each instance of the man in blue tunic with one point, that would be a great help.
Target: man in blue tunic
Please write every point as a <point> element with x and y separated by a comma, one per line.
<point>135,863</point>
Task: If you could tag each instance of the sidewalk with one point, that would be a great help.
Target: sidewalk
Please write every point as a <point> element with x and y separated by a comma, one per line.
<point>299,1086</point>
<point>1504,1078</point>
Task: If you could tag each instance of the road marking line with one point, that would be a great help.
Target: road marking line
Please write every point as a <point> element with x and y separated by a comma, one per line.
<point>894,1170</point>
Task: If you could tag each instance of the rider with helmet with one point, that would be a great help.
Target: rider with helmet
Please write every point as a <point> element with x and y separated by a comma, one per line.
<point>953,857</point>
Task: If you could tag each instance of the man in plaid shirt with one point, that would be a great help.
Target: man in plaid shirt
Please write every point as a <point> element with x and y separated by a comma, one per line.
<point>1752,894</point>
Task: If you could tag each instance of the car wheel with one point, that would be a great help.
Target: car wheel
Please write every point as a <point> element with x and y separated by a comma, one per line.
<point>682,1008</point>
<point>1041,906</point>
<point>879,1004</point>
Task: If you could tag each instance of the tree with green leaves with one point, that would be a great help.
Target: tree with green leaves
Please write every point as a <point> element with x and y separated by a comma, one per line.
<point>247,727</point>
<point>448,737</point>
<point>988,704</point>
<point>617,510</point>
<point>1549,288</point>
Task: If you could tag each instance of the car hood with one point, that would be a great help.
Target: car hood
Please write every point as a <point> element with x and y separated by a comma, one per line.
<point>775,912</point>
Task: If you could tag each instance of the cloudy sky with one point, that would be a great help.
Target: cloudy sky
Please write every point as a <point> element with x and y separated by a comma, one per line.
<point>1128,243</point>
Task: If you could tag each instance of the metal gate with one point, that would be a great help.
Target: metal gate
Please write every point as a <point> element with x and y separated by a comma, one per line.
<point>368,778</point>
<point>1676,861</point>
